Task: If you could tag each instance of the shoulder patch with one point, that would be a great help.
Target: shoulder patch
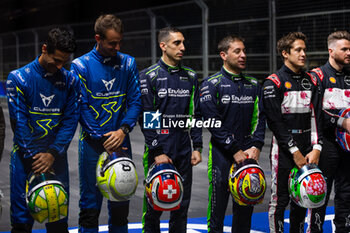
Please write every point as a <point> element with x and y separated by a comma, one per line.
<point>129,62</point>
<point>190,72</point>
<point>18,74</point>
<point>252,80</point>
<point>79,63</point>
<point>274,78</point>
<point>313,78</point>
<point>319,73</point>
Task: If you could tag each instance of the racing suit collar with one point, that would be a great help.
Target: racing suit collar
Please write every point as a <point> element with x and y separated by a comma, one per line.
<point>169,68</point>
<point>231,76</point>
<point>334,71</point>
<point>110,61</point>
<point>284,68</point>
<point>41,69</point>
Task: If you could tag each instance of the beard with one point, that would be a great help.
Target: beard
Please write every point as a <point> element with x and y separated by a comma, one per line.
<point>342,60</point>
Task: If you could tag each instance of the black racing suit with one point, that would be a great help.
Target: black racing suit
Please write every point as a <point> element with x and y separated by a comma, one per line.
<point>291,104</point>
<point>173,92</point>
<point>335,91</point>
<point>235,100</point>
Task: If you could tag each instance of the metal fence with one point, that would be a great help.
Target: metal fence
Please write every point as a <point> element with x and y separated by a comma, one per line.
<point>204,23</point>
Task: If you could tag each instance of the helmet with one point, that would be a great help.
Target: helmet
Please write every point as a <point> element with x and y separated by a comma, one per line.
<point>116,176</point>
<point>46,198</point>
<point>343,138</point>
<point>164,188</point>
<point>307,186</point>
<point>247,183</point>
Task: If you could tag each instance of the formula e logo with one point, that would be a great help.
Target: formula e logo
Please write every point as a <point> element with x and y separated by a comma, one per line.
<point>108,84</point>
<point>151,120</point>
<point>46,100</point>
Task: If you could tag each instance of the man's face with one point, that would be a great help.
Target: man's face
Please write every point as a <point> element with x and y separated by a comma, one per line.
<point>174,48</point>
<point>110,44</point>
<point>340,52</point>
<point>54,61</point>
<point>297,55</point>
<point>235,57</point>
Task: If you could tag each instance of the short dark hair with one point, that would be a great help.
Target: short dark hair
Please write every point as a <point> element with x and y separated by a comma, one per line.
<point>165,32</point>
<point>224,43</point>
<point>338,35</point>
<point>62,39</point>
<point>108,21</point>
<point>285,43</point>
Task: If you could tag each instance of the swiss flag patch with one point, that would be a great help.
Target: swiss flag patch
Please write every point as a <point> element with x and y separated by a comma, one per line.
<point>164,131</point>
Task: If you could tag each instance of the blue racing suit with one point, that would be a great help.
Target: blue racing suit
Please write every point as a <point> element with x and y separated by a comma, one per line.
<point>44,112</point>
<point>236,101</point>
<point>173,91</point>
<point>110,99</point>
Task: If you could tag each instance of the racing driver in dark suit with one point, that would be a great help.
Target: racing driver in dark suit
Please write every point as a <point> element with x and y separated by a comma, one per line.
<point>293,115</point>
<point>334,162</point>
<point>234,99</point>
<point>171,89</point>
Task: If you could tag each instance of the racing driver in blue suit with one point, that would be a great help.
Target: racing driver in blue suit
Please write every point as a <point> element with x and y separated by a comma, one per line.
<point>43,100</point>
<point>110,107</point>
<point>234,99</point>
<point>170,89</point>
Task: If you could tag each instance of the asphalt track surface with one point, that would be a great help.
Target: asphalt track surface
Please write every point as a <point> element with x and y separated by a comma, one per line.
<point>199,199</point>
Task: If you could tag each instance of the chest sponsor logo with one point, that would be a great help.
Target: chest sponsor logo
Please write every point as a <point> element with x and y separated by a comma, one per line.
<point>144,91</point>
<point>162,79</point>
<point>205,98</point>
<point>305,83</point>
<point>335,98</point>
<point>296,102</point>
<point>182,78</point>
<point>242,99</point>
<point>108,84</point>
<point>288,85</point>
<point>46,100</point>
<point>332,80</point>
<point>225,85</point>
<point>347,80</point>
<point>162,92</point>
<point>173,92</point>
<point>225,99</point>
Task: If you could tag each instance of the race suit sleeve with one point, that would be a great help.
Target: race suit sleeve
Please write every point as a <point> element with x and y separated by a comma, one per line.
<point>2,132</point>
<point>148,99</point>
<point>316,116</point>
<point>196,132</point>
<point>69,119</point>
<point>133,97</point>
<point>272,99</point>
<point>258,123</point>
<point>86,117</point>
<point>209,109</point>
<point>19,113</point>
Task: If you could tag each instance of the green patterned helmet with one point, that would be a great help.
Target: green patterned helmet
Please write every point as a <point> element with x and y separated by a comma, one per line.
<point>46,197</point>
<point>307,186</point>
<point>116,176</point>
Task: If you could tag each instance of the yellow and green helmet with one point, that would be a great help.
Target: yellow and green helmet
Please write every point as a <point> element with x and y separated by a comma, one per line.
<point>46,198</point>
